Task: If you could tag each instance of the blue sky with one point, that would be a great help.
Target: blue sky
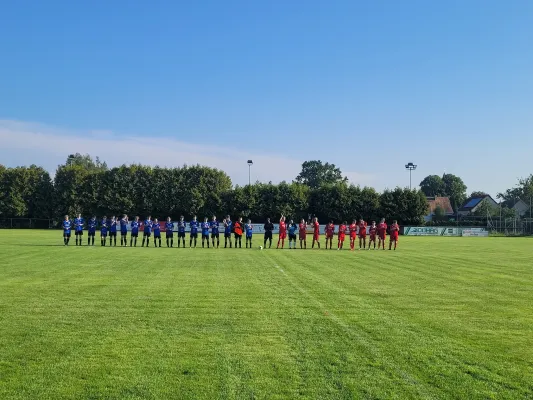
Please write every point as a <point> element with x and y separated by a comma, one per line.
<point>366,85</point>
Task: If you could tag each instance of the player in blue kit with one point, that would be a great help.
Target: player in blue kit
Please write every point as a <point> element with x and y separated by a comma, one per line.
<point>205,232</point>
<point>181,231</point>
<point>78,229</point>
<point>249,228</point>
<point>124,230</point>
<point>66,230</point>
<point>147,231</point>
<point>157,232</point>
<point>134,231</point>
<point>214,232</point>
<point>228,227</point>
<point>91,230</point>
<point>113,231</point>
<point>293,228</point>
<point>194,231</point>
<point>103,231</point>
<point>169,232</point>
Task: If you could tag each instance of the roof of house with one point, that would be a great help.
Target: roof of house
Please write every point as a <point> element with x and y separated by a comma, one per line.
<point>443,202</point>
<point>512,203</point>
<point>472,202</point>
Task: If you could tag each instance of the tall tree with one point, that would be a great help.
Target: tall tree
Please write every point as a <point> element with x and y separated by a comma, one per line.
<point>455,189</point>
<point>523,190</point>
<point>478,194</point>
<point>316,174</point>
<point>433,185</point>
<point>85,161</point>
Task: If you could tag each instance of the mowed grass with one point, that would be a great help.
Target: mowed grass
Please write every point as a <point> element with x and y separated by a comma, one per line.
<point>439,318</point>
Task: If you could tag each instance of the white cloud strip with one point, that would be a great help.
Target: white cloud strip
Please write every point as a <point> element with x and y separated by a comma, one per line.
<point>23,143</point>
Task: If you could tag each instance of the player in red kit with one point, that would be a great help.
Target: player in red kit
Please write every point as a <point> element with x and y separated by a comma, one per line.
<point>342,235</point>
<point>316,233</point>
<point>330,231</point>
<point>353,234</point>
<point>282,232</point>
<point>394,233</point>
<point>362,234</point>
<point>382,233</point>
<point>372,231</point>
<point>302,233</point>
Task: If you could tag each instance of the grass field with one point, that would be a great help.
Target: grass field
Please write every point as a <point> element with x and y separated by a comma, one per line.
<point>439,318</point>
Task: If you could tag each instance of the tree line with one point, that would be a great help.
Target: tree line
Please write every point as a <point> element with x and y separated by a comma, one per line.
<point>87,186</point>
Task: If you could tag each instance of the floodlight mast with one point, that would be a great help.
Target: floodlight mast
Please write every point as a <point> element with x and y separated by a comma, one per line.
<point>411,167</point>
<point>250,163</point>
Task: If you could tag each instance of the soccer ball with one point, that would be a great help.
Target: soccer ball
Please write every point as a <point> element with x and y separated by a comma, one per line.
<point>260,247</point>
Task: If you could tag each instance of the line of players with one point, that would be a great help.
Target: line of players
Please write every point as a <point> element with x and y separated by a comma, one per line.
<point>210,229</point>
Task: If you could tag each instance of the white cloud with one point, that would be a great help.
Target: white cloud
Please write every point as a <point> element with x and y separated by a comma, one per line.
<point>25,143</point>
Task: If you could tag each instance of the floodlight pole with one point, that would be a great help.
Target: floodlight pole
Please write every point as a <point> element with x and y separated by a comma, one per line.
<point>250,163</point>
<point>411,167</point>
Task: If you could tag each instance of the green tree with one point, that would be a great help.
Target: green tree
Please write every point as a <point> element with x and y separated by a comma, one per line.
<point>316,174</point>
<point>478,194</point>
<point>85,161</point>
<point>439,213</point>
<point>485,208</point>
<point>455,189</point>
<point>432,186</point>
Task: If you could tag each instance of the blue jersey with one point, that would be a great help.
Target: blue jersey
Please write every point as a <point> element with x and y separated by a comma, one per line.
<point>205,228</point>
<point>123,226</point>
<point>103,228</point>
<point>148,226</point>
<point>135,227</point>
<point>249,230</point>
<point>78,224</point>
<point>181,226</point>
<point>228,226</point>
<point>113,225</point>
<point>156,227</point>
<point>92,225</point>
<point>194,227</point>
<point>66,226</point>
<point>214,227</point>
<point>292,229</point>
<point>169,226</point>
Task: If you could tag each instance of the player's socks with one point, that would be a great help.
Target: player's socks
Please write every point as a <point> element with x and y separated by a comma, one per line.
<point>172,242</point>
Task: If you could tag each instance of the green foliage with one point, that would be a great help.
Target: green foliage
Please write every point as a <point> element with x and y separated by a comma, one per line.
<point>485,208</point>
<point>455,189</point>
<point>432,186</point>
<point>85,161</point>
<point>86,187</point>
<point>316,174</point>
<point>478,194</point>
<point>25,192</point>
<point>439,213</point>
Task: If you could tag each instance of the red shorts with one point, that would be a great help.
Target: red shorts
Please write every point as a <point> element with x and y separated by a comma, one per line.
<point>341,237</point>
<point>394,237</point>
<point>353,235</point>
<point>373,238</point>
<point>316,236</point>
<point>382,236</point>
<point>283,235</point>
<point>329,235</point>
<point>303,235</point>
<point>362,235</point>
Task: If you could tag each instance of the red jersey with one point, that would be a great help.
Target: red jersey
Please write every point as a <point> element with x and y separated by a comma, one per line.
<point>342,230</point>
<point>353,228</point>
<point>316,228</point>
<point>302,228</point>
<point>394,229</point>
<point>282,227</point>
<point>362,228</point>
<point>373,230</point>
<point>330,229</point>
<point>382,228</point>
